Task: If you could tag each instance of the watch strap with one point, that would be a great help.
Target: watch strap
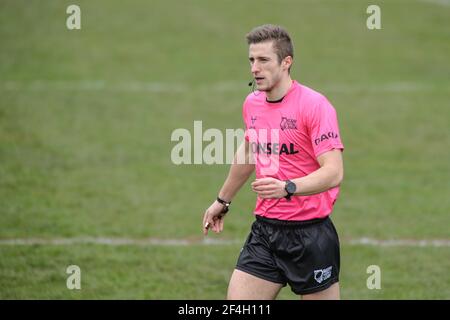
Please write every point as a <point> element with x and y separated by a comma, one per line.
<point>226,204</point>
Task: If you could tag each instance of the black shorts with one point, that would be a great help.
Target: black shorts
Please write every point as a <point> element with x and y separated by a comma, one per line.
<point>304,254</point>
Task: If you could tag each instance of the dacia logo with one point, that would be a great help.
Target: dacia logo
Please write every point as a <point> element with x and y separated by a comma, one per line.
<point>329,135</point>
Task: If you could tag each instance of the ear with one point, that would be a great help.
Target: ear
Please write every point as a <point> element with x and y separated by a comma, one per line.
<point>287,62</point>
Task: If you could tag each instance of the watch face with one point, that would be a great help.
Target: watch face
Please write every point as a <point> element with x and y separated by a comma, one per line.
<point>290,187</point>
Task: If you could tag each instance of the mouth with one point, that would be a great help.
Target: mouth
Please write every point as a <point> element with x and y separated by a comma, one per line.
<point>259,79</point>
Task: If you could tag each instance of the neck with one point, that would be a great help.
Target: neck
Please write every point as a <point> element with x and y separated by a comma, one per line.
<point>280,90</point>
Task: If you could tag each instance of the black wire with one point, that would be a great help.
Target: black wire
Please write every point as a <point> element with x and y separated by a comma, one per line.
<point>253,89</point>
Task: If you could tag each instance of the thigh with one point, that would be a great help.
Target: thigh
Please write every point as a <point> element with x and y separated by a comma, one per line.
<point>244,286</point>
<point>256,257</point>
<point>331,293</point>
<point>312,262</point>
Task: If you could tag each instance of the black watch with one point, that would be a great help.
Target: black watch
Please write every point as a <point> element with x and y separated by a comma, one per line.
<point>290,189</point>
<point>225,205</point>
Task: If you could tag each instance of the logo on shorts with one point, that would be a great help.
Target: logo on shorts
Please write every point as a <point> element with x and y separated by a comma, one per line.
<point>322,274</point>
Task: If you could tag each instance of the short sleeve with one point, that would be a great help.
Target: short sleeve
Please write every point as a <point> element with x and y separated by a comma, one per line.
<point>323,128</point>
<point>244,117</point>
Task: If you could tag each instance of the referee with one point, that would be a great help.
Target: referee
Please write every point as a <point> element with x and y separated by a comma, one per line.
<point>292,135</point>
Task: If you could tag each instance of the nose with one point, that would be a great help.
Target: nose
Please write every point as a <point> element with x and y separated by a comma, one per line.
<point>255,68</point>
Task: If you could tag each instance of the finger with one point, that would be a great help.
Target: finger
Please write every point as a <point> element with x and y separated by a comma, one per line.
<point>216,225</point>
<point>265,188</point>
<point>266,195</point>
<point>206,226</point>
<point>257,182</point>
<point>204,220</point>
<point>218,222</point>
<point>212,226</point>
<point>221,224</point>
<point>206,223</point>
<point>209,224</point>
<point>262,181</point>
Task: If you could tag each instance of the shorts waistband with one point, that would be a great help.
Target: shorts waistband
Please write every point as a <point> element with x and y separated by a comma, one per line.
<point>290,223</point>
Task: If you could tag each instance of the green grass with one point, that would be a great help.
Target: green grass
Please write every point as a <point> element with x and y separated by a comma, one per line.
<point>84,152</point>
<point>200,272</point>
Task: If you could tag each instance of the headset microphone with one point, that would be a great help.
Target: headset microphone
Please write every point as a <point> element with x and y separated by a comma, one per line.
<point>252,84</point>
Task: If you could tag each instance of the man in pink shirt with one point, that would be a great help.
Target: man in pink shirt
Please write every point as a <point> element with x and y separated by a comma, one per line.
<point>292,137</point>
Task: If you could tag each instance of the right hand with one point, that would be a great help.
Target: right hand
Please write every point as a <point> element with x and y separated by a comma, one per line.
<point>213,218</point>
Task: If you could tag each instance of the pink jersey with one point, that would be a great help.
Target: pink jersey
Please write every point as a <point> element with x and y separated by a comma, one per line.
<point>286,138</point>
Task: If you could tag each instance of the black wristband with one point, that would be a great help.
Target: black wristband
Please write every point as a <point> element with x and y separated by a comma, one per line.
<point>225,204</point>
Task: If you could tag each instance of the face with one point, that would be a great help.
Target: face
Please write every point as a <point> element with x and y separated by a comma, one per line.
<point>265,68</point>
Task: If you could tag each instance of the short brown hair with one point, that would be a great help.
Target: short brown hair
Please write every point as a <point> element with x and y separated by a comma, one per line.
<point>281,40</point>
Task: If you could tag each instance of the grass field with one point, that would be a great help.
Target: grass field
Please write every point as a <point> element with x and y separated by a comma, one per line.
<point>86,118</point>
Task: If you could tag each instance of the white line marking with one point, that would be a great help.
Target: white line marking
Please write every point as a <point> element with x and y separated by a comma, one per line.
<point>93,85</point>
<point>116,241</point>
<point>223,86</point>
<point>206,241</point>
<point>400,242</point>
<point>439,2</point>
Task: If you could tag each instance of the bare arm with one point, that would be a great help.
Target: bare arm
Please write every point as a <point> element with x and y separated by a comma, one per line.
<point>240,171</point>
<point>329,175</point>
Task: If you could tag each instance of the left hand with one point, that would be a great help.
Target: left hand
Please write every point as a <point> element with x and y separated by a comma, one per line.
<point>269,188</point>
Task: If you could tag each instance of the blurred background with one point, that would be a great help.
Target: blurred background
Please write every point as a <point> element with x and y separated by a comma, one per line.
<point>86,118</point>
